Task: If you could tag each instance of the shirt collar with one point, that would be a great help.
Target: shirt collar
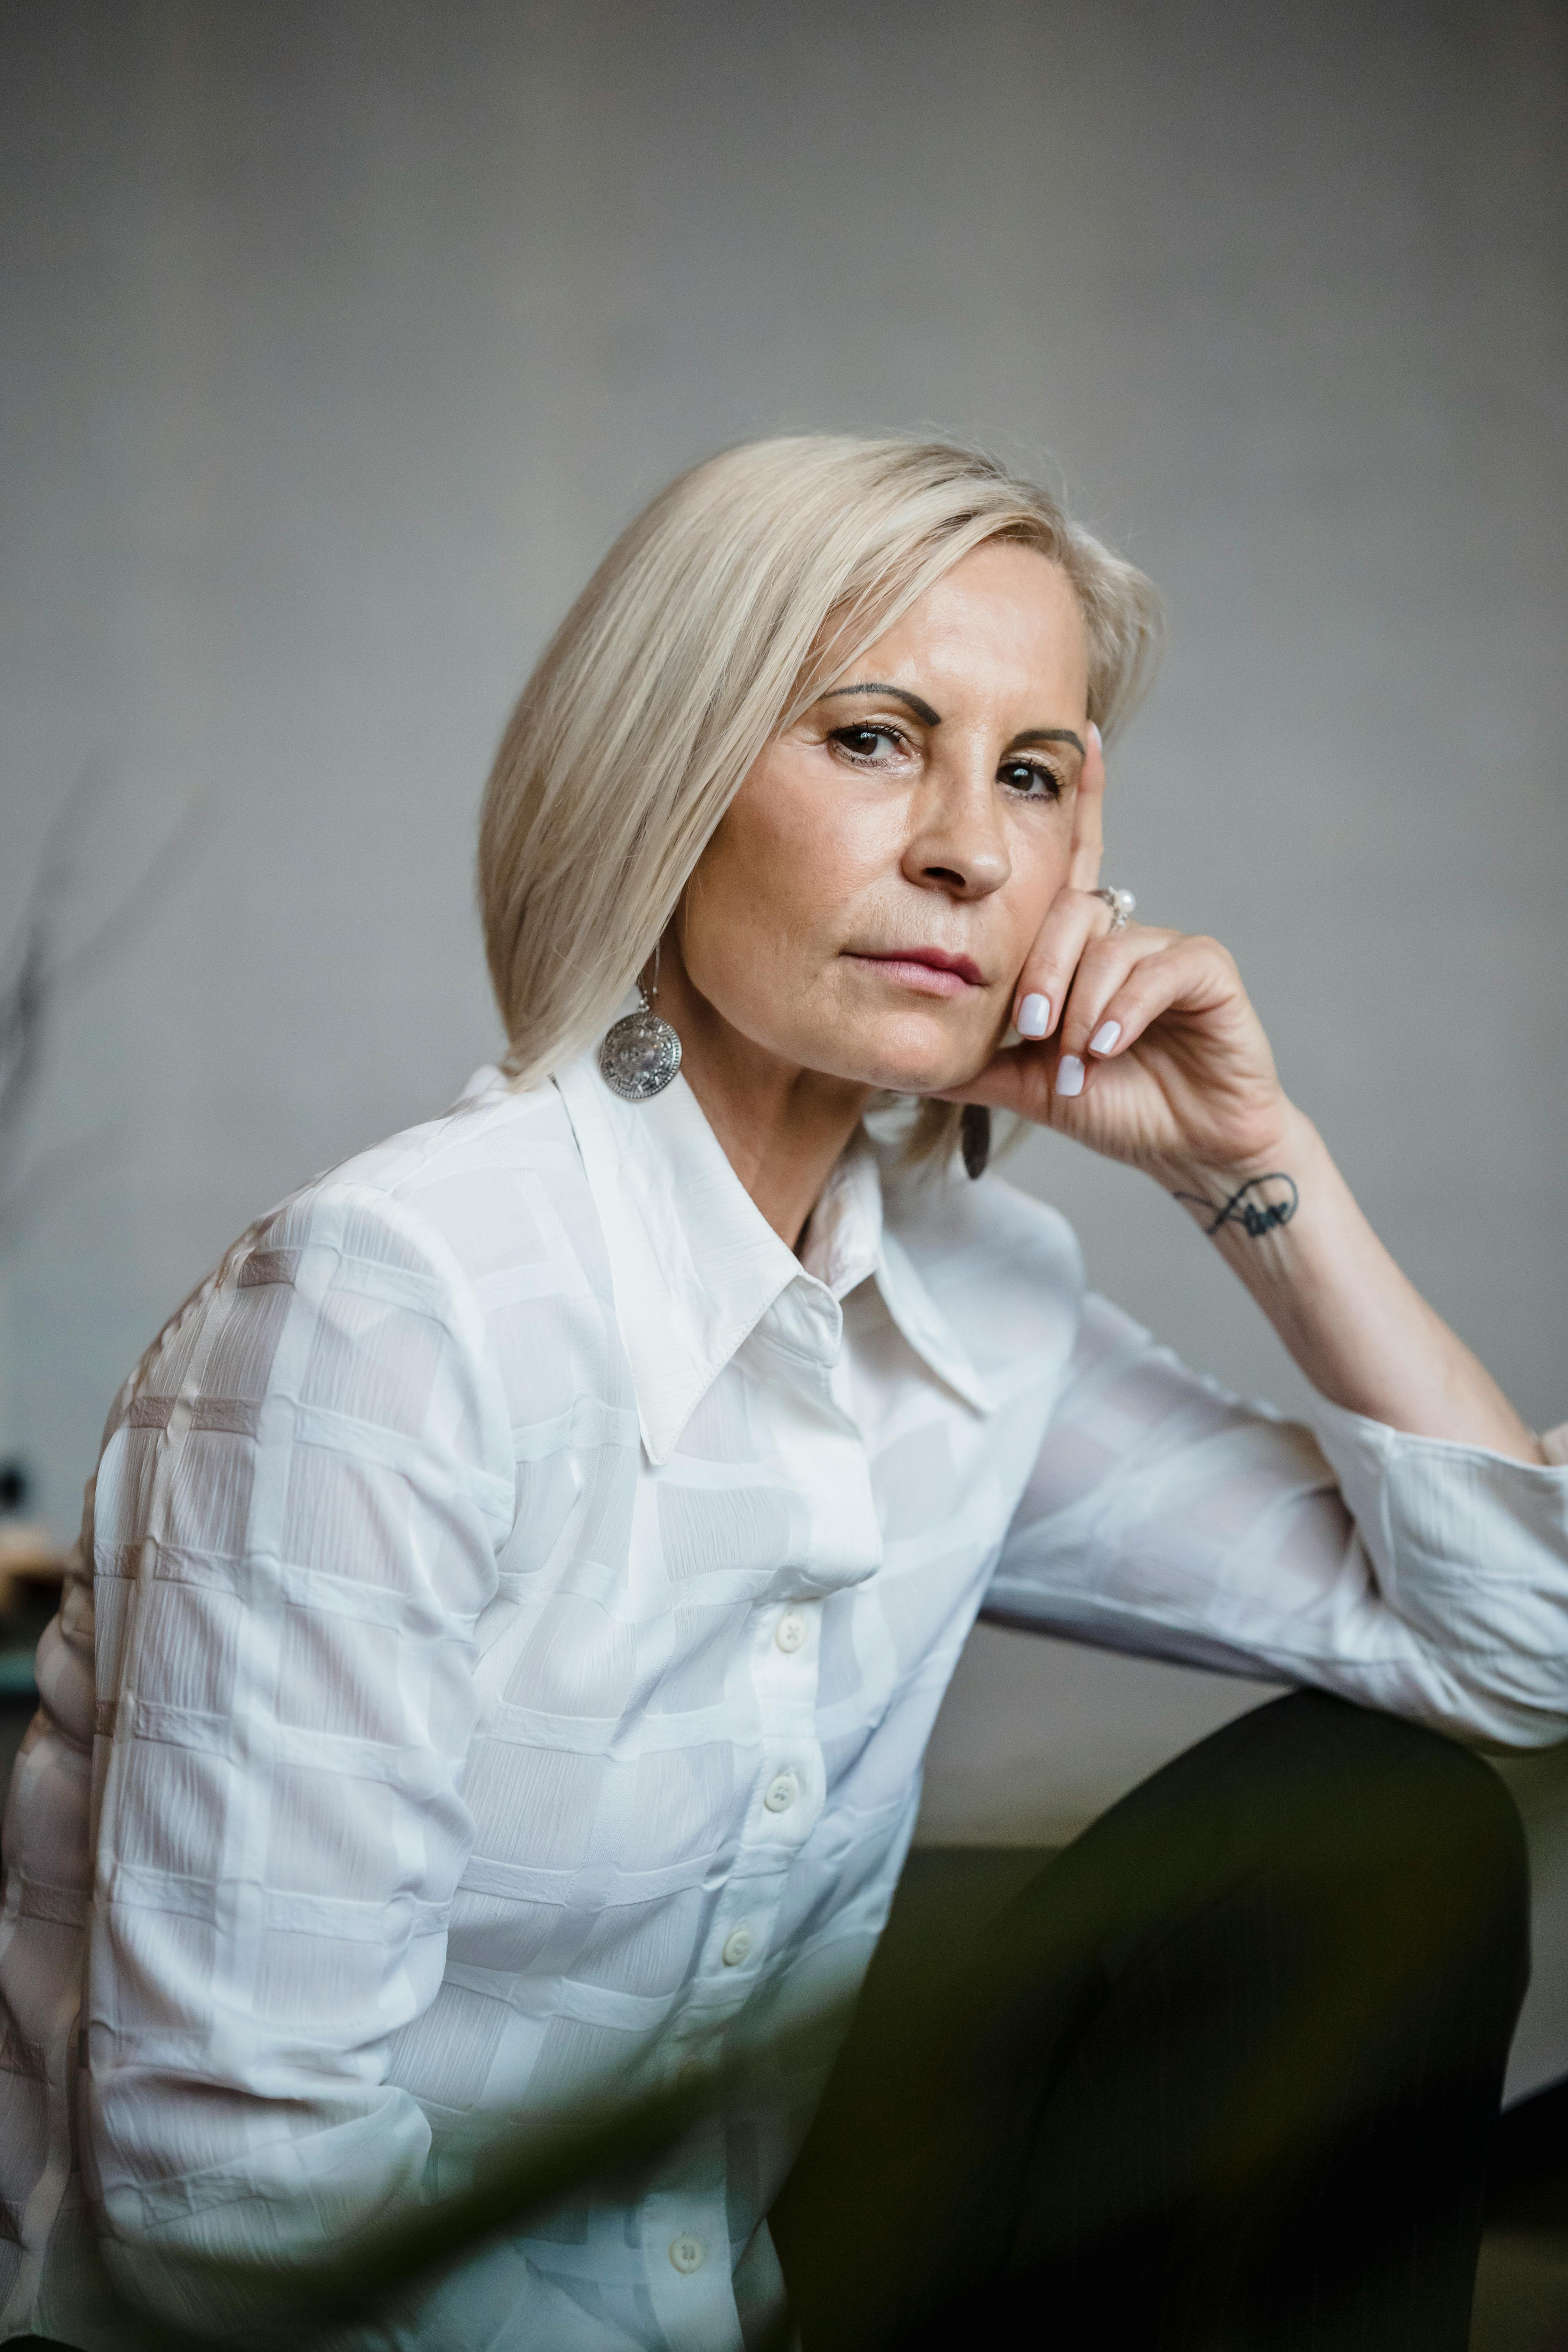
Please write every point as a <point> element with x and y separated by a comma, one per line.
<point>696,1265</point>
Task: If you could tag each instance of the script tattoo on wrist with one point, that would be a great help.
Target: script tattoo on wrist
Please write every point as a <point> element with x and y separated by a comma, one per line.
<point>1252,1207</point>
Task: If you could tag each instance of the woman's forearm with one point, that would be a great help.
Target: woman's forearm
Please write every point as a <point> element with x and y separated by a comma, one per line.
<point>1358,1328</point>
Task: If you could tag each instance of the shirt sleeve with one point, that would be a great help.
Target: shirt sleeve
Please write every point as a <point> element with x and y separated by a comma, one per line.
<point>43,1925</point>
<point>1166,1516</point>
<point>295,1530</point>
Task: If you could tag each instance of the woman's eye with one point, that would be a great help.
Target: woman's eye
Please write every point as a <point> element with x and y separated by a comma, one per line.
<point>1023,776</point>
<point>867,742</point>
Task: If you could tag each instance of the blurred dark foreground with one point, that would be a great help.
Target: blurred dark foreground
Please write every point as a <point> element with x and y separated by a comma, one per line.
<point>964,1976</point>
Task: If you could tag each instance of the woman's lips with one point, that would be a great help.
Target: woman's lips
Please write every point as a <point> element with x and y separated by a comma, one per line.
<point>929,971</point>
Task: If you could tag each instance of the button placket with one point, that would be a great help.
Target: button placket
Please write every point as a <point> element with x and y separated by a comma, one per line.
<point>685,2238</point>
<point>791,1632</point>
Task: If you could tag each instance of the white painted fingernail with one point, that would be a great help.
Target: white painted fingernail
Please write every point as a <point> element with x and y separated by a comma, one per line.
<point>1105,1036</point>
<point>1069,1075</point>
<point>1033,1016</point>
<point>1094,736</point>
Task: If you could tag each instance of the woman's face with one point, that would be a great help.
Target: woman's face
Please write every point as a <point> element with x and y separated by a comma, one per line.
<point>865,906</point>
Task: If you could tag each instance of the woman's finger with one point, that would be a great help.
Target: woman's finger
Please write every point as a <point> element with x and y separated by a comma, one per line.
<point>1123,984</point>
<point>1073,919</point>
<point>1089,817</point>
<point>1077,931</point>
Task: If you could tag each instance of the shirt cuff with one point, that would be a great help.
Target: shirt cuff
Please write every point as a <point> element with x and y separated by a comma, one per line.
<point>1349,1437</point>
<point>1430,1504</point>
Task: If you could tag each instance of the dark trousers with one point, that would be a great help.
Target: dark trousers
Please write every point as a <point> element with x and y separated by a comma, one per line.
<point>1224,2077</point>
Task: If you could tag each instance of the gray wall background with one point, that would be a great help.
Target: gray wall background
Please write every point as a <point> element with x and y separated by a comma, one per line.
<point>341,335</point>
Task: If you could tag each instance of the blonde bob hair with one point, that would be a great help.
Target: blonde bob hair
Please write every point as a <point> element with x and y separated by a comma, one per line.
<point>731,604</point>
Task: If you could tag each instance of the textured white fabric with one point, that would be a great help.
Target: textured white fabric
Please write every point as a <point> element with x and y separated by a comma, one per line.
<point>518,1595</point>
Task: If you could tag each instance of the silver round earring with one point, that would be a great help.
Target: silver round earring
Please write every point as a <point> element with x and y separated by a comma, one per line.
<point>641,1052</point>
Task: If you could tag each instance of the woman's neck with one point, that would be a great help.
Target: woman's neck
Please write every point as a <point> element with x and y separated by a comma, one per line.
<point>782,1128</point>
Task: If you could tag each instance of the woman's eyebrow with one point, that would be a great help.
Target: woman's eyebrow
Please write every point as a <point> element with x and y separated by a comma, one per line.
<point>1047,735</point>
<point>922,710</point>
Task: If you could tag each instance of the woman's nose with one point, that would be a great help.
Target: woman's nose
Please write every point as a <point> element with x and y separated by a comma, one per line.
<point>957,844</point>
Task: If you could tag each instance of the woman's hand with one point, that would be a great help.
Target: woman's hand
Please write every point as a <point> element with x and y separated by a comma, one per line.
<point>1186,1088</point>
<point>1140,1042</point>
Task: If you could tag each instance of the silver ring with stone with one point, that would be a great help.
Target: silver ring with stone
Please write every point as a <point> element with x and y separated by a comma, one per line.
<point>1121,904</point>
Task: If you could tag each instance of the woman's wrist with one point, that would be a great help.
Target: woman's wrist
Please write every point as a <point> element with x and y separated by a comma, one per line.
<point>1286,1223</point>
<point>1289,1226</point>
<point>1250,1196</point>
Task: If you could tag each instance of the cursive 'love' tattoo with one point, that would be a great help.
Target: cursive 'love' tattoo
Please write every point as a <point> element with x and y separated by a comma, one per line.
<point>1249,1206</point>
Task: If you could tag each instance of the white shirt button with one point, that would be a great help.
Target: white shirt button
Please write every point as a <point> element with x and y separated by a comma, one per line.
<point>686,2252</point>
<point>789,1632</point>
<point>780,1793</point>
<point>737,1946</point>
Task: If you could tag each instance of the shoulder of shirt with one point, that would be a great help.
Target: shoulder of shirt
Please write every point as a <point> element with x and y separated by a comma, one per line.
<point>944,1217</point>
<point>443,1197</point>
<point>1003,1271</point>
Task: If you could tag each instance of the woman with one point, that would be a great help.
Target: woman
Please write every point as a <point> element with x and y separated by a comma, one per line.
<point>521,1582</point>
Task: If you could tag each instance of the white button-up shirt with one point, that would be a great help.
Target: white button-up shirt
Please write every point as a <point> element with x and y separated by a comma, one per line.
<point>520,1592</point>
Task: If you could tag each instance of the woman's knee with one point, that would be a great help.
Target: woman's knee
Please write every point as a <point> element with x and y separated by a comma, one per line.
<point>1389,1810</point>
<point>1333,1826</point>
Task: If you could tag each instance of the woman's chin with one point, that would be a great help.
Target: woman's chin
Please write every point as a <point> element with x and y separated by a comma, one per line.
<point>911,1073</point>
<point>925,1063</point>
<point>916,1051</point>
